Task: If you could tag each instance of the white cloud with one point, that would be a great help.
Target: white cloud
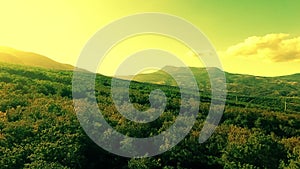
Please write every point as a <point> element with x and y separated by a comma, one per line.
<point>271,47</point>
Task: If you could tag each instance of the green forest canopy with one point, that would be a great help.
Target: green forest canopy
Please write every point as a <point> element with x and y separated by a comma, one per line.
<point>39,128</point>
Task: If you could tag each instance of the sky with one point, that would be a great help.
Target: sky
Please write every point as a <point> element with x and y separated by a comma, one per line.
<point>251,36</point>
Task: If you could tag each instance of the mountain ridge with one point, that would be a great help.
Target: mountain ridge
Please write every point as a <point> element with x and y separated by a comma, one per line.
<point>237,84</point>
<point>18,57</point>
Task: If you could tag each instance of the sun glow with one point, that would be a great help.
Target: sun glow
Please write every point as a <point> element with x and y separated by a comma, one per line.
<point>60,29</point>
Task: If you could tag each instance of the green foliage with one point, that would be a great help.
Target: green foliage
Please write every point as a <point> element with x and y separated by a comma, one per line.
<point>39,128</point>
<point>253,147</point>
<point>144,163</point>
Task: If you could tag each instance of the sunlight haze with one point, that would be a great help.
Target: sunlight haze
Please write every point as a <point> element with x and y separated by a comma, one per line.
<point>251,37</point>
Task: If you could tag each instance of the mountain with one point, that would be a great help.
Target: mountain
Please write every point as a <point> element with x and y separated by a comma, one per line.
<point>236,83</point>
<point>162,77</point>
<point>13,56</point>
<point>242,88</point>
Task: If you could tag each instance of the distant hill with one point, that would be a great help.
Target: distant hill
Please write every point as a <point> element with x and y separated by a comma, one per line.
<point>236,83</point>
<point>240,87</point>
<point>162,77</point>
<point>13,56</point>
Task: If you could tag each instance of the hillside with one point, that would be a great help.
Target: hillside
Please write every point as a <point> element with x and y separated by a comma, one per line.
<point>241,88</point>
<point>39,127</point>
<point>13,56</point>
<point>236,83</point>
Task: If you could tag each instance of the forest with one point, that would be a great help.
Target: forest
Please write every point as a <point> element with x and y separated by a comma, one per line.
<point>39,127</point>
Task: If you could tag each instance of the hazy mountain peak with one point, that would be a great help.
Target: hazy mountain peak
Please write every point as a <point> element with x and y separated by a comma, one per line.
<point>14,56</point>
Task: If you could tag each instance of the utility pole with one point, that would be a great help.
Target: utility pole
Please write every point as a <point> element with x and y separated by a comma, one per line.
<point>284,104</point>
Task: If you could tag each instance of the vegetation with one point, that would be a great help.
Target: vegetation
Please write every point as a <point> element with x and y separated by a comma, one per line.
<point>39,128</point>
<point>254,90</point>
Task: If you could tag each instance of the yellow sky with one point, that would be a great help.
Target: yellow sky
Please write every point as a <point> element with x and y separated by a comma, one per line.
<point>118,54</point>
<point>60,29</point>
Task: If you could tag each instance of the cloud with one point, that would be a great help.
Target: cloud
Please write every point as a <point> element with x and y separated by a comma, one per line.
<point>271,47</point>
